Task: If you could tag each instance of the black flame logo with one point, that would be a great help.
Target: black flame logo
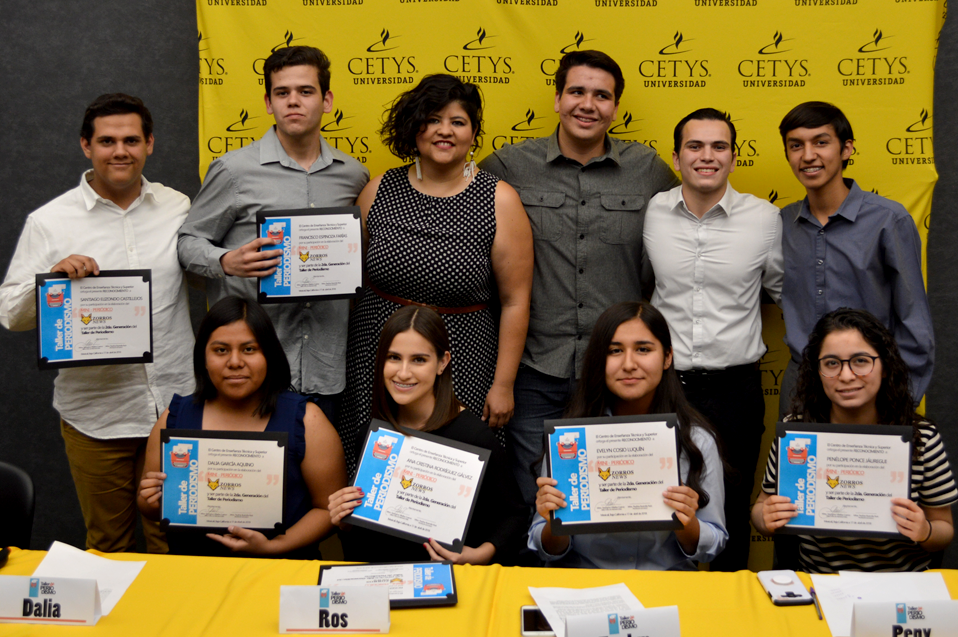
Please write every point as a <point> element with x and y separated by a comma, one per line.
<point>872,46</point>
<point>381,44</point>
<point>772,48</point>
<point>240,125</point>
<point>624,127</point>
<point>526,123</point>
<point>476,45</point>
<point>921,125</point>
<point>674,48</point>
<point>336,125</point>
<point>576,42</point>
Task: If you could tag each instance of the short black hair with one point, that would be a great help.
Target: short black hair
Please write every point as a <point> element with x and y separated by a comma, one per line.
<point>702,114</point>
<point>816,115</point>
<point>116,104</point>
<point>229,310</point>
<point>297,56</point>
<point>408,114</point>
<point>594,59</point>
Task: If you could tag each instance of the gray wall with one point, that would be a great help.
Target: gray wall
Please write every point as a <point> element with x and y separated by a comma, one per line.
<point>56,56</point>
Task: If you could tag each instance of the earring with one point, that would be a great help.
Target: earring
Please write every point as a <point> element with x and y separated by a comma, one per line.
<point>470,168</point>
<point>418,169</point>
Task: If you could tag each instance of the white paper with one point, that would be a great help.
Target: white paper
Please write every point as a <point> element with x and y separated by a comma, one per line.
<point>112,577</point>
<point>881,619</point>
<point>654,622</point>
<point>837,594</point>
<point>558,603</point>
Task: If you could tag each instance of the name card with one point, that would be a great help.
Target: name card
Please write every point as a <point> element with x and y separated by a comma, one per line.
<point>49,600</point>
<point>333,609</point>
<point>650,622</point>
<point>905,619</point>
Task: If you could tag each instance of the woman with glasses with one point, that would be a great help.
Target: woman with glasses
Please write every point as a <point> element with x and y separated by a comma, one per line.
<point>852,373</point>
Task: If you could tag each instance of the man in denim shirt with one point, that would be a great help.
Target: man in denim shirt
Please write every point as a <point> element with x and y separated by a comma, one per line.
<point>585,194</point>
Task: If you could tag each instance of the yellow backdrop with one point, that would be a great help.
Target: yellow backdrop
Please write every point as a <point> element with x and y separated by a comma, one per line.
<point>755,59</point>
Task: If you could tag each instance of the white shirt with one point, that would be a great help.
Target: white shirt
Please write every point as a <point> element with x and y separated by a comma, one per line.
<point>709,273</point>
<point>111,401</point>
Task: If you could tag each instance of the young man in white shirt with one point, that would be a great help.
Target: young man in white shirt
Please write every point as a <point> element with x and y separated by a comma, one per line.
<point>712,250</point>
<point>114,220</point>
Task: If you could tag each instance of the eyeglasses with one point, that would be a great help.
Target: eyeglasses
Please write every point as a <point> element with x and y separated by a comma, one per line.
<point>860,364</point>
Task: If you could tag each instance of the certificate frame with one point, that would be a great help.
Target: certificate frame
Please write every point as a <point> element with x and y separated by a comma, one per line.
<point>378,427</point>
<point>267,289</point>
<point>450,598</point>
<point>63,290</point>
<point>887,433</point>
<point>555,428</point>
<point>281,438</point>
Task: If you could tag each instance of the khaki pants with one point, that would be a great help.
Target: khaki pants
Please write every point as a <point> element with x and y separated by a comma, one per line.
<point>107,474</point>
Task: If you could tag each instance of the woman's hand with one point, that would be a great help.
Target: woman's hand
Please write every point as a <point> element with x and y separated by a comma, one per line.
<point>240,540</point>
<point>548,498</point>
<point>469,555</point>
<point>685,501</point>
<point>151,488</point>
<point>499,405</point>
<point>777,511</point>
<point>343,502</point>
<point>910,519</point>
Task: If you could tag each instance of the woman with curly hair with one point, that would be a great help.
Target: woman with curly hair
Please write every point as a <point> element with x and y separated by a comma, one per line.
<point>442,234</point>
<point>852,373</point>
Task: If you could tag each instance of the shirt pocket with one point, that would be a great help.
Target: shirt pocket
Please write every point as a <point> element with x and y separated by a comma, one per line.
<point>544,210</point>
<point>622,217</point>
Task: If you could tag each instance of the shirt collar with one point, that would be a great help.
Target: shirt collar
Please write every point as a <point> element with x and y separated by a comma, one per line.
<point>849,208</point>
<point>271,151</point>
<point>91,198</point>
<point>554,152</point>
<point>677,200</point>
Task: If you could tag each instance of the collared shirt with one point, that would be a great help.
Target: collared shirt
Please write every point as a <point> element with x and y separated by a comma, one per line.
<point>111,401</point>
<point>709,275</point>
<point>258,178</point>
<point>867,257</point>
<point>587,231</point>
<point>651,550</point>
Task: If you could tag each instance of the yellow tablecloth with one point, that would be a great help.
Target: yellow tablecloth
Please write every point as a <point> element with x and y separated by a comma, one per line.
<point>178,596</point>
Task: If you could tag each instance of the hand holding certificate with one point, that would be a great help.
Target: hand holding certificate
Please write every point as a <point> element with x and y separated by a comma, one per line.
<point>612,472</point>
<point>842,477</point>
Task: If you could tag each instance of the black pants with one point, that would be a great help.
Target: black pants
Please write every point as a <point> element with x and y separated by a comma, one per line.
<point>733,401</point>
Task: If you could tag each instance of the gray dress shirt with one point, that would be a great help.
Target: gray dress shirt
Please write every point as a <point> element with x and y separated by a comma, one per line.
<point>587,231</point>
<point>867,257</point>
<point>262,177</point>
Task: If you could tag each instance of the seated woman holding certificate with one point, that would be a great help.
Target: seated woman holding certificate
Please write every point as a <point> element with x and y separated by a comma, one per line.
<point>242,377</point>
<point>852,373</point>
<point>627,370</point>
<point>412,389</point>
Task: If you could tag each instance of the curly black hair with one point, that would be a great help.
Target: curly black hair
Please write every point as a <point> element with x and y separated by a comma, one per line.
<point>894,402</point>
<point>408,114</point>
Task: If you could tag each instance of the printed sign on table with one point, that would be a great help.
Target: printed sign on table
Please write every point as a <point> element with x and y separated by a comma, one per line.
<point>410,583</point>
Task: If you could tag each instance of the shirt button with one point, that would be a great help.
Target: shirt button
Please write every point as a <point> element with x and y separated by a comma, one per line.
<point>305,337</point>
<point>581,271</point>
<point>581,236</point>
<point>820,262</point>
<point>307,305</point>
<point>579,337</point>
<point>581,305</point>
<point>820,292</point>
<point>312,205</point>
<point>582,202</point>
<point>822,231</point>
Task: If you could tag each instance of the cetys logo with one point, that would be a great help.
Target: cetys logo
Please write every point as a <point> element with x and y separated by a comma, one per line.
<point>477,62</point>
<point>630,130</point>
<point>746,148</point>
<point>875,62</point>
<point>550,65</point>
<point>212,69</point>
<point>235,135</point>
<point>336,133</point>
<point>383,62</point>
<point>523,129</point>
<point>675,66</point>
<point>914,144</point>
<point>773,67</point>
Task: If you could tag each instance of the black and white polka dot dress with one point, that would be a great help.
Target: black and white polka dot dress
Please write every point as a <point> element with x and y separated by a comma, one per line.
<point>436,251</point>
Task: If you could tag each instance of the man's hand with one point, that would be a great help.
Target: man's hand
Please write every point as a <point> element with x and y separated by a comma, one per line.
<point>77,266</point>
<point>249,261</point>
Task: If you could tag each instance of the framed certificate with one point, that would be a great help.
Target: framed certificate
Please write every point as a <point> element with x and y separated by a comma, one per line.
<point>843,476</point>
<point>410,584</point>
<point>97,320</point>
<point>613,472</point>
<point>418,486</point>
<point>215,479</point>
<point>322,254</point>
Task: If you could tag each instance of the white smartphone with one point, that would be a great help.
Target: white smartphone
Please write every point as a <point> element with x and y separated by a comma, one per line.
<point>784,588</point>
<point>532,623</point>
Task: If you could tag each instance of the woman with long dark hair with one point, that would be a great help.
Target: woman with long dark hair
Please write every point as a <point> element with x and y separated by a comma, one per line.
<point>852,373</point>
<point>413,390</point>
<point>627,370</point>
<point>242,382</point>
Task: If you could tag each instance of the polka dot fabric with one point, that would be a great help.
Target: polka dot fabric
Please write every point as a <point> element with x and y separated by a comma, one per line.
<point>436,251</point>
